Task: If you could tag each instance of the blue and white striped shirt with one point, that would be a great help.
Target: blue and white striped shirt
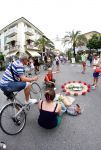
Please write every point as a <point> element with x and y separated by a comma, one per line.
<point>18,70</point>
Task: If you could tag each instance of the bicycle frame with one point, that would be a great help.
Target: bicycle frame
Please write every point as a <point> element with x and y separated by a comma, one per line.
<point>16,101</point>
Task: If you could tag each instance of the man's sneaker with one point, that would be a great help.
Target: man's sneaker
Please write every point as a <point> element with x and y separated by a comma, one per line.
<point>32,101</point>
<point>54,88</point>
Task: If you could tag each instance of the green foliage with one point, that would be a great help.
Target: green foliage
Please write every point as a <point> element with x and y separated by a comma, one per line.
<point>1,57</point>
<point>94,42</point>
<point>3,68</point>
<point>75,39</point>
<point>42,42</point>
<point>78,58</point>
<point>69,54</point>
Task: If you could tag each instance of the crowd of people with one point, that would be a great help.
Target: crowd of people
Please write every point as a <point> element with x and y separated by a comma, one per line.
<point>14,79</point>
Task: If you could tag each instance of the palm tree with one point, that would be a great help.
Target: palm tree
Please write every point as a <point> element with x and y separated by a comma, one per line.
<point>42,42</point>
<point>75,39</point>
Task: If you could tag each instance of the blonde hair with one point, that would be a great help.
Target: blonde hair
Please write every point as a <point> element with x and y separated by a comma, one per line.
<point>49,69</point>
<point>23,56</point>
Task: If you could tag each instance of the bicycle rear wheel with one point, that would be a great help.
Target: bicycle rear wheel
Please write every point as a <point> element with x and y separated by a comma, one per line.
<point>10,124</point>
<point>36,92</point>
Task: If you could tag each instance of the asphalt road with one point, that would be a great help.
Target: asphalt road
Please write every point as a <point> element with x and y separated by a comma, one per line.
<point>75,133</point>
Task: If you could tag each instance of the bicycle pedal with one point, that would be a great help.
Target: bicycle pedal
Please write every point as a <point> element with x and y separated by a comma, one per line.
<point>28,108</point>
<point>18,122</point>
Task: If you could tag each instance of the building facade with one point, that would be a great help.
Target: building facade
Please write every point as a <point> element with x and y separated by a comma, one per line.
<point>19,36</point>
<point>88,36</point>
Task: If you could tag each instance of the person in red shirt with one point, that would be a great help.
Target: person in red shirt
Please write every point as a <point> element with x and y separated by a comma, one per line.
<point>49,79</point>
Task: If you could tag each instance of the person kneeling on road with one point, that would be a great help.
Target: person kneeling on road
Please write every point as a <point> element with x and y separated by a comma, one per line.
<point>14,79</point>
<point>49,80</point>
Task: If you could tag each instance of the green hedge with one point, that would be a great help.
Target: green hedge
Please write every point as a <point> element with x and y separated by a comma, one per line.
<point>78,58</point>
<point>1,57</point>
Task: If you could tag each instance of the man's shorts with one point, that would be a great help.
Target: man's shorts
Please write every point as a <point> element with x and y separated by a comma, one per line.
<point>13,86</point>
<point>84,64</point>
<point>95,74</point>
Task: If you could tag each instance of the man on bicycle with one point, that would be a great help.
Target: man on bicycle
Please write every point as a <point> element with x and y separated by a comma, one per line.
<point>14,78</point>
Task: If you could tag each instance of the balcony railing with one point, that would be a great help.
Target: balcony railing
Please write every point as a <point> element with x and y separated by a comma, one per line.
<point>11,32</point>
<point>31,47</point>
<point>29,31</point>
<point>12,48</point>
<point>9,39</point>
<point>17,47</point>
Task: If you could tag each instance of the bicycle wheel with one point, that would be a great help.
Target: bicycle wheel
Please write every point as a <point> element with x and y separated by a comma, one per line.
<point>36,92</point>
<point>45,67</point>
<point>10,124</point>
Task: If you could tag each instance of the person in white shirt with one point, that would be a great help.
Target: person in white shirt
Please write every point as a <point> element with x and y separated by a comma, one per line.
<point>96,63</point>
<point>31,64</point>
<point>57,62</point>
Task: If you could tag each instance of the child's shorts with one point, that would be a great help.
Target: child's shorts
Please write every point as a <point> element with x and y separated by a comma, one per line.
<point>95,74</point>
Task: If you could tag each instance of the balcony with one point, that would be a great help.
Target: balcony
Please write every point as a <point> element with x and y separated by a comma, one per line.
<point>29,31</point>
<point>31,47</point>
<point>12,48</point>
<point>27,37</point>
<point>10,39</point>
<point>11,32</point>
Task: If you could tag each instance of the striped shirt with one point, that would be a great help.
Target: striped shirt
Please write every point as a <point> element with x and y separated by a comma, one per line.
<point>18,70</point>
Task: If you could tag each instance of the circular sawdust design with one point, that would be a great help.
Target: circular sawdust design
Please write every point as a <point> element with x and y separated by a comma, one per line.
<point>76,88</point>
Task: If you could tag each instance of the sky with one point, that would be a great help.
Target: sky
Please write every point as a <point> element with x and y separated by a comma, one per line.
<point>54,17</point>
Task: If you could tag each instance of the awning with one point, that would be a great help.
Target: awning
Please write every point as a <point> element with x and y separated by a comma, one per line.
<point>33,53</point>
<point>10,54</point>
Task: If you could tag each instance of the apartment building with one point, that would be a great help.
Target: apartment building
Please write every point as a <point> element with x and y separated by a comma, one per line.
<point>19,36</point>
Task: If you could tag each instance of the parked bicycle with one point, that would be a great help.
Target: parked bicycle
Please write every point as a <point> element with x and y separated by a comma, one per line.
<point>13,115</point>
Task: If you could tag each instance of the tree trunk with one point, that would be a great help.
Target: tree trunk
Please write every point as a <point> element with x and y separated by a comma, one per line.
<point>89,51</point>
<point>97,51</point>
<point>43,48</point>
<point>74,49</point>
<point>43,52</point>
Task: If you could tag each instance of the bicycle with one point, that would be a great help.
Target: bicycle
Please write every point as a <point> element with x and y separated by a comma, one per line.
<point>13,114</point>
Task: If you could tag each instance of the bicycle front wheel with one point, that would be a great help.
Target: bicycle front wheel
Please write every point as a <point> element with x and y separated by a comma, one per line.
<point>10,124</point>
<point>45,67</point>
<point>36,92</point>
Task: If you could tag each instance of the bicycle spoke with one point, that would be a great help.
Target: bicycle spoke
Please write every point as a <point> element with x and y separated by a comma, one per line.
<point>9,123</point>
